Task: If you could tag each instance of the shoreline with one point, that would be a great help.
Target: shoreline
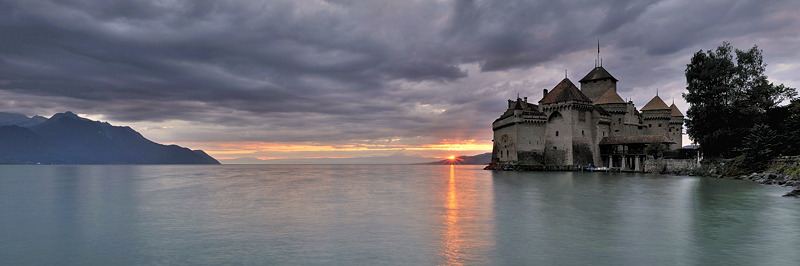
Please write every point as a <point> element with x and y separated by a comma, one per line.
<point>706,171</point>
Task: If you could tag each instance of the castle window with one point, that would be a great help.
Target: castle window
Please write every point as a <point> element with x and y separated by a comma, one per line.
<point>556,133</point>
<point>582,133</point>
<point>659,125</point>
<point>604,133</point>
<point>506,153</point>
<point>649,125</point>
<point>619,119</point>
<point>555,148</point>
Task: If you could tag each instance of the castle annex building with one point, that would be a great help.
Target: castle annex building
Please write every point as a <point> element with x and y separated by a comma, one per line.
<point>591,125</point>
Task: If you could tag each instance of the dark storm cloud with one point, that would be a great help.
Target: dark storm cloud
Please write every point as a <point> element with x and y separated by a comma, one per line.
<point>346,69</point>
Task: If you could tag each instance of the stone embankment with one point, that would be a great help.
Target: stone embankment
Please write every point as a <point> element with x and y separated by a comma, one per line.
<point>671,166</point>
<point>783,171</point>
<point>513,167</point>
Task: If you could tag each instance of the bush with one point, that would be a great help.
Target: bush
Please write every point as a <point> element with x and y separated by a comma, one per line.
<point>741,165</point>
<point>790,169</point>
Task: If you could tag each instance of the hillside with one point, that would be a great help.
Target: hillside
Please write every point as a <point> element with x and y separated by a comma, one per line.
<point>67,138</point>
<point>484,158</point>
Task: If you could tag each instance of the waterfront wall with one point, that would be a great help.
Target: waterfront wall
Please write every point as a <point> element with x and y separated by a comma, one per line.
<point>672,166</point>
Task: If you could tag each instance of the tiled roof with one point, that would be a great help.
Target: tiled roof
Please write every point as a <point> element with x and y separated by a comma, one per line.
<point>635,140</point>
<point>675,111</point>
<point>564,91</point>
<point>610,96</point>
<point>655,104</point>
<point>597,73</point>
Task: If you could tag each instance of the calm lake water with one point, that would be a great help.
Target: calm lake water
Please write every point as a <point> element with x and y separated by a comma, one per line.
<point>386,215</point>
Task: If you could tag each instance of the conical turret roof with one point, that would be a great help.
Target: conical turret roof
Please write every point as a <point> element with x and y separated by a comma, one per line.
<point>675,111</point>
<point>564,91</point>
<point>655,104</point>
<point>597,73</point>
<point>610,96</point>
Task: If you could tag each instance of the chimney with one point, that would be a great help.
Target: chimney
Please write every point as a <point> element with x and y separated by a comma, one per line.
<point>544,94</point>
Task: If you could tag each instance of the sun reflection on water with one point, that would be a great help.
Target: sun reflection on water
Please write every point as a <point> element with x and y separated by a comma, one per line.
<point>452,246</point>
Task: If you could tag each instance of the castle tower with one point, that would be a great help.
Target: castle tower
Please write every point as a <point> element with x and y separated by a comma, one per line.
<point>657,115</point>
<point>675,127</point>
<point>519,134</point>
<point>597,82</point>
<point>612,103</point>
<point>568,136</point>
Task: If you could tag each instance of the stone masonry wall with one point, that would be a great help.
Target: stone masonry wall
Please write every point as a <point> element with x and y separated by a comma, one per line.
<point>670,165</point>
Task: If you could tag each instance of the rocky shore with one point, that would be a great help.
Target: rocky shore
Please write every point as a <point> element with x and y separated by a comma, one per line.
<point>776,174</point>
<point>773,179</point>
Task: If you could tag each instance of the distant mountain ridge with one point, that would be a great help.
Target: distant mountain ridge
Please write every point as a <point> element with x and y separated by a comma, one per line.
<point>484,158</point>
<point>7,119</point>
<point>66,138</point>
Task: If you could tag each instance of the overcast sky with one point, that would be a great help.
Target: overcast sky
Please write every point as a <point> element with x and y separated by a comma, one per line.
<point>298,80</point>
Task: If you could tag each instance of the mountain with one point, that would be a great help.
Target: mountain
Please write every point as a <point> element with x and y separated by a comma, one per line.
<point>484,158</point>
<point>66,138</point>
<point>7,119</point>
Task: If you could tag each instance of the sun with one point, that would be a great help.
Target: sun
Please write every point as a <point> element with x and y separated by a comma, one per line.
<point>452,159</point>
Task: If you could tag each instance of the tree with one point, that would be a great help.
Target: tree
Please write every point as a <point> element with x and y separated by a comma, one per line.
<point>761,144</point>
<point>655,149</point>
<point>790,127</point>
<point>727,97</point>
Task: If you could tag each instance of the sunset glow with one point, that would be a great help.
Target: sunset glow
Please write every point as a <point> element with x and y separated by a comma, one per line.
<point>405,152</point>
<point>226,149</point>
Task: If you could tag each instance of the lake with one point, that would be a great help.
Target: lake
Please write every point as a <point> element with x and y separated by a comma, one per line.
<point>386,215</point>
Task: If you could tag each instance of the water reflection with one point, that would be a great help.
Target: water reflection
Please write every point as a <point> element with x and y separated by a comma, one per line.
<point>451,248</point>
<point>376,215</point>
<point>467,217</point>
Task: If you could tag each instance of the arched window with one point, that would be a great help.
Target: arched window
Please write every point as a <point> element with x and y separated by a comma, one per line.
<point>554,115</point>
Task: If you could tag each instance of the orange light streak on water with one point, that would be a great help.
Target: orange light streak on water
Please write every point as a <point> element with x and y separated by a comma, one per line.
<point>452,246</point>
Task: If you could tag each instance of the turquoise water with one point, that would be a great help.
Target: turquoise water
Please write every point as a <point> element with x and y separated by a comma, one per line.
<point>386,215</point>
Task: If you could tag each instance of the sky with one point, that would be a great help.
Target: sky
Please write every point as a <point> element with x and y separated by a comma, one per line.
<point>346,81</point>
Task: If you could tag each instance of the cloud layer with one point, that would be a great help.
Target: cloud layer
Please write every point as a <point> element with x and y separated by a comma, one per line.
<point>355,72</point>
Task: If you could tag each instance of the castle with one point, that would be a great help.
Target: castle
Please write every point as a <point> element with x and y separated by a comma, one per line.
<point>592,125</point>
